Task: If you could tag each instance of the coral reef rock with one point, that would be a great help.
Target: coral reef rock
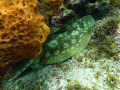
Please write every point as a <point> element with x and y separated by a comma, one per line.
<point>62,17</point>
<point>55,4</point>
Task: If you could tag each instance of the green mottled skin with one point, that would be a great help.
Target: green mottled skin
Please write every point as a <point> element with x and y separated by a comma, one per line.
<point>71,39</point>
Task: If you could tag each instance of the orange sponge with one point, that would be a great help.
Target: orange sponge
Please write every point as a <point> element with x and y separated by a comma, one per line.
<point>22,30</point>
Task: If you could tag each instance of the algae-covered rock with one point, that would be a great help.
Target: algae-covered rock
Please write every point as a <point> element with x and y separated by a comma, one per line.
<point>71,39</point>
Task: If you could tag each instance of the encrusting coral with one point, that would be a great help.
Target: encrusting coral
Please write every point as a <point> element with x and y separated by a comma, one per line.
<point>22,30</point>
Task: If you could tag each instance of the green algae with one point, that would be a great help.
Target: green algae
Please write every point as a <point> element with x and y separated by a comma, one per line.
<point>76,87</point>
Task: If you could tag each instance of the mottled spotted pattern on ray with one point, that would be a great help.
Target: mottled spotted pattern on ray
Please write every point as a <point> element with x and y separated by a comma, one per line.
<point>71,39</point>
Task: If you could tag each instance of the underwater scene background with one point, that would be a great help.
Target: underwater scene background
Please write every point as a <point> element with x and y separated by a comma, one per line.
<point>59,44</point>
